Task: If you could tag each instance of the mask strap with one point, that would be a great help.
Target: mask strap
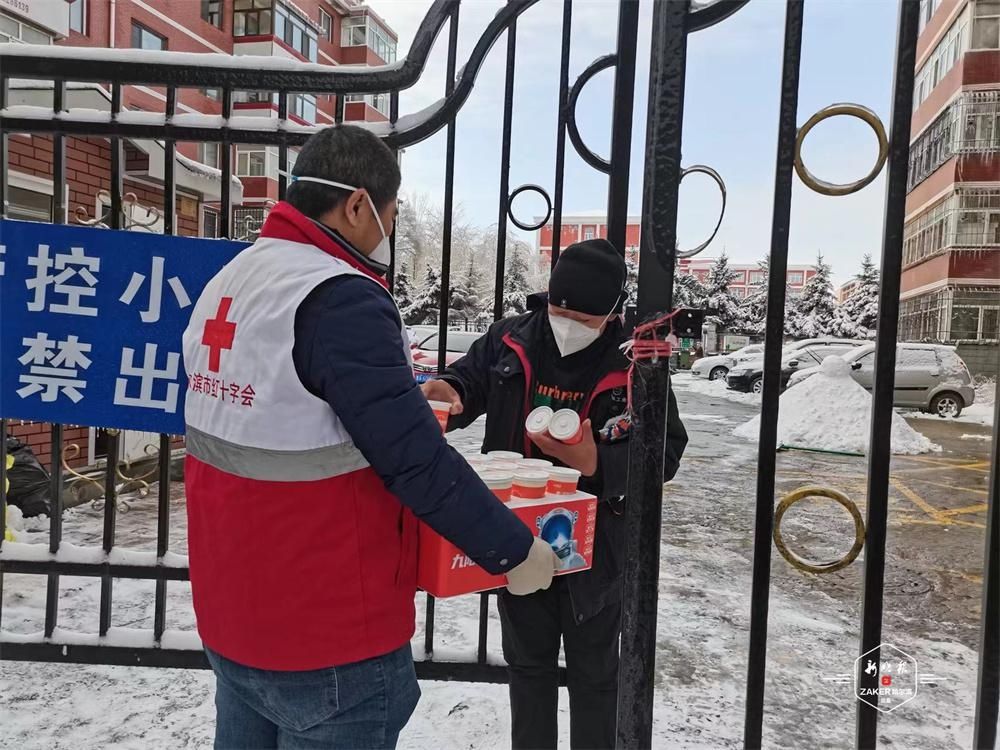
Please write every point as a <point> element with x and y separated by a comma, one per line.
<point>331,183</point>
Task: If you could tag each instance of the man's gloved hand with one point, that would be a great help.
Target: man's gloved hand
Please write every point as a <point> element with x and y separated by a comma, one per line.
<point>440,390</point>
<point>535,573</point>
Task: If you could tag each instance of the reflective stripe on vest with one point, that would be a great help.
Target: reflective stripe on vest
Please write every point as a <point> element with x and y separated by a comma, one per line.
<point>274,465</point>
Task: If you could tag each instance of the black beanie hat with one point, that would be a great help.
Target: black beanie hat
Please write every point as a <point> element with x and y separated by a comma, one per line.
<point>589,278</point>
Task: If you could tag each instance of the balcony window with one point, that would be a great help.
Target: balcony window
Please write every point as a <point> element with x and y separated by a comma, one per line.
<point>78,16</point>
<point>294,31</point>
<point>143,38</point>
<point>379,102</point>
<point>353,32</point>
<point>971,124</point>
<point>795,278</point>
<point>211,12</point>
<point>361,31</point>
<point>252,17</point>
<point>986,26</point>
<point>969,218</point>
<point>940,62</point>
<point>255,97</point>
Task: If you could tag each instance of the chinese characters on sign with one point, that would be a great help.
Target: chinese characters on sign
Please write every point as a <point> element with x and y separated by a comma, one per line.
<point>93,320</point>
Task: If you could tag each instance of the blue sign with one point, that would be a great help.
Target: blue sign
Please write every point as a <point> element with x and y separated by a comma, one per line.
<point>91,323</point>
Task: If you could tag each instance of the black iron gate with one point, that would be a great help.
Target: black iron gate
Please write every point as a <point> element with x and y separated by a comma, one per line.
<point>673,22</point>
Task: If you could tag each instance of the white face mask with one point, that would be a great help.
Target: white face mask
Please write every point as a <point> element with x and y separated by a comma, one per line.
<point>383,251</point>
<point>571,335</point>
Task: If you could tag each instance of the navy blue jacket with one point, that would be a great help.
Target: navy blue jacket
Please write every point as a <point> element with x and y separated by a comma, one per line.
<point>349,352</point>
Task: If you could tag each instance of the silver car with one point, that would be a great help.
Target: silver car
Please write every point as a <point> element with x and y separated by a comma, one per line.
<point>930,377</point>
<point>717,366</point>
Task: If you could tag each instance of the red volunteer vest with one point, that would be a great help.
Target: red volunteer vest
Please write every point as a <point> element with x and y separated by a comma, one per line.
<point>300,558</point>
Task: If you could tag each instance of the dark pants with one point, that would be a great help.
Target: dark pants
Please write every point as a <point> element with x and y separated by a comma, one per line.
<point>532,629</point>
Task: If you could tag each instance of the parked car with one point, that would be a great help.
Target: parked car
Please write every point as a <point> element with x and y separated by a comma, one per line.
<point>717,366</point>
<point>419,333</point>
<point>425,355</point>
<point>930,377</point>
<point>749,375</point>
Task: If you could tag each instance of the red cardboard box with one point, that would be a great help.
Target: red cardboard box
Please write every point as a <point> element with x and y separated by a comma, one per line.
<point>567,522</point>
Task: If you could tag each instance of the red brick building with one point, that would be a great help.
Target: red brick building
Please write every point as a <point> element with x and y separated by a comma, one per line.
<point>579,227</point>
<point>328,32</point>
<point>951,266</point>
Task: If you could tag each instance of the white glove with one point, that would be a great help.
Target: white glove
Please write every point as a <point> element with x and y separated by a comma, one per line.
<point>535,573</point>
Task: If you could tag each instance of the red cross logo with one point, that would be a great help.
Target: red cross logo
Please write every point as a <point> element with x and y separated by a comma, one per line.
<point>219,334</point>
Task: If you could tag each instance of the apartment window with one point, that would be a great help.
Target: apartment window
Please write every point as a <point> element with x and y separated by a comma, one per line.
<point>78,16</point>
<point>14,31</point>
<point>257,161</point>
<point>302,105</point>
<point>252,17</point>
<point>28,205</point>
<point>211,12</point>
<point>986,26</point>
<point>326,26</point>
<point>588,234</point>
<point>214,94</point>
<point>756,277</point>
<point>208,154</point>
<point>795,277</point>
<point>143,38</point>
<point>353,32</point>
<point>294,30</point>
<point>210,224</point>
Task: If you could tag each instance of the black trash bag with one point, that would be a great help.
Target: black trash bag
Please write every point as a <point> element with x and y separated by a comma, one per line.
<point>30,483</point>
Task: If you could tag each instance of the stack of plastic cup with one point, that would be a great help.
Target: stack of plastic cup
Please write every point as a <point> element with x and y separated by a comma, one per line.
<point>530,485</point>
<point>563,481</point>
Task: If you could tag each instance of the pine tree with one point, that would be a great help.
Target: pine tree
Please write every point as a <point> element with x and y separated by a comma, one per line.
<point>466,301</point>
<point>722,304</point>
<point>427,301</point>
<point>754,305</point>
<point>516,286</point>
<point>402,290</point>
<point>857,317</point>
<point>813,312</point>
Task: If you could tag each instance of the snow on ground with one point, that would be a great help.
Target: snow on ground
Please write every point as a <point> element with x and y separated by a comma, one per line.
<point>702,636</point>
<point>830,411</point>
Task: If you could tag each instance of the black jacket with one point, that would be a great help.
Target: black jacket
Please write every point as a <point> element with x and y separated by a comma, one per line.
<point>495,379</point>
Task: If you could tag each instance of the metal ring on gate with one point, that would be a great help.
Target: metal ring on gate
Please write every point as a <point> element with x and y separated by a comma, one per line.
<point>597,162</point>
<point>832,188</point>
<point>828,492</point>
<point>548,207</point>
<point>702,169</point>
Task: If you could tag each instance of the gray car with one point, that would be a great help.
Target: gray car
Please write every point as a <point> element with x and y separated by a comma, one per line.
<point>930,377</point>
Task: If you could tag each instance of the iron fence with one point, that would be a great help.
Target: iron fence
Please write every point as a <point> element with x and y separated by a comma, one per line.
<point>673,23</point>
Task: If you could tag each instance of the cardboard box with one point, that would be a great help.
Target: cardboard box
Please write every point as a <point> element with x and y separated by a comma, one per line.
<point>567,522</point>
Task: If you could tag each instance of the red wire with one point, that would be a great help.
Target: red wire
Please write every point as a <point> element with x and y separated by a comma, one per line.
<point>646,345</point>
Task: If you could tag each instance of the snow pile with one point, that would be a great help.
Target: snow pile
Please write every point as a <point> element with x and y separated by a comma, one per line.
<point>829,411</point>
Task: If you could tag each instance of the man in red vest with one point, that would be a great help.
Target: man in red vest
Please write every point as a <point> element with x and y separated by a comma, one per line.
<point>311,455</point>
